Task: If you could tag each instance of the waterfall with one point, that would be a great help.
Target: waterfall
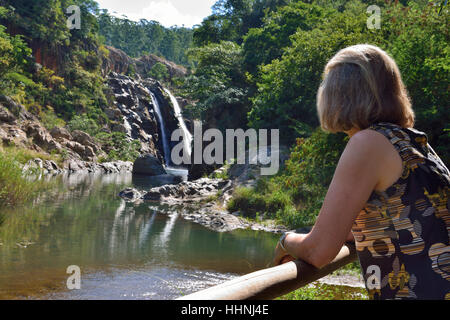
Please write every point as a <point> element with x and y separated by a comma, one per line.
<point>165,142</point>
<point>187,136</point>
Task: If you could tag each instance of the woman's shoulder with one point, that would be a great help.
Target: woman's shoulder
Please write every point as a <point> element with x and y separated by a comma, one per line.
<point>370,147</point>
<point>378,155</point>
<point>372,141</point>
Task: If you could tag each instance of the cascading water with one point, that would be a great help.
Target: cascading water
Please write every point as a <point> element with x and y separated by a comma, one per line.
<point>165,142</point>
<point>187,136</point>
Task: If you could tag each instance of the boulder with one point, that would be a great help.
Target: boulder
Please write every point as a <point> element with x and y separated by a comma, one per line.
<point>18,110</point>
<point>148,165</point>
<point>60,133</point>
<point>130,194</point>
<point>41,137</point>
<point>85,139</point>
<point>6,115</point>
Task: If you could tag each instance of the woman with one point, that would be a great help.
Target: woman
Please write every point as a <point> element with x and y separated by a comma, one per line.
<point>390,189</point>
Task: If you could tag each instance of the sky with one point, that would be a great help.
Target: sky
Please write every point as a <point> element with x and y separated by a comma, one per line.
<point>166,12</point>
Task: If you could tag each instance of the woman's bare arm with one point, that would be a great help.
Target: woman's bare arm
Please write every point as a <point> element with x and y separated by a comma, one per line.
<point>365,164</point>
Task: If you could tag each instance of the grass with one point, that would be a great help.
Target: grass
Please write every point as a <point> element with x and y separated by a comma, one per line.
<point>320,291</point>
<point>17,187</point>
<point>269,201</point>
<point>294,196</point>
<point>24,155</point>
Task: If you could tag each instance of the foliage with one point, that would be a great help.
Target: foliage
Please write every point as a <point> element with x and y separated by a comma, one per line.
<point>420,35</point>
<point>319,291</point>
<point>294,197</point>
<point>85,124</point>
<point>50,120</point>
<point>264,44</point>
<point>14,55</point>
<point>286,87</point>
<point>15,187</point>
<point>144,37</point>
<point>218,85</point>
<point>232,19</point>
<point>159,72</point>
<point>118,146</point>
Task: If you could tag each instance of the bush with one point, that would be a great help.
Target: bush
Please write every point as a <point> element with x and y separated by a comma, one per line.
<point>85,124</point>
<point>294,197</point>
<point>50,120</point>
<point>118,147</point>
<point>159,72</point>
<point>17,187</point>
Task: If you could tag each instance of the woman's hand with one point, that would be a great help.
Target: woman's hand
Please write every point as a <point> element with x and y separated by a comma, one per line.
<point>281,256</point>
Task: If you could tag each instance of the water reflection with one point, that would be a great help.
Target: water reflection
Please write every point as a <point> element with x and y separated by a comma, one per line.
<point>85,223</point>
<point>146,230</point>
<point>165,234</point>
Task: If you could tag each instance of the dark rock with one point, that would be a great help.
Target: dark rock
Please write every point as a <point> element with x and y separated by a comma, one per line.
<point>130,194</point>
<point>152,195</point>
<point>113,114</point>
<point>119,127</point>
<point>6,115</point>
<point>18,110</point>
<point>75,165</point>
<point>148,165</point>
<point>118,61</point>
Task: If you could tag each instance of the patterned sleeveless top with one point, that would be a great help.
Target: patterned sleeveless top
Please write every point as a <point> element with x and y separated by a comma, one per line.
<point>402,235</point>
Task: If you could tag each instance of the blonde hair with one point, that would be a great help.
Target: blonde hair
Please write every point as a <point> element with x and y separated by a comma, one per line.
<point>362,85</point>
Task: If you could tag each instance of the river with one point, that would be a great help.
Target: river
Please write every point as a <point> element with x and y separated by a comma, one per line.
<point>124,251</point>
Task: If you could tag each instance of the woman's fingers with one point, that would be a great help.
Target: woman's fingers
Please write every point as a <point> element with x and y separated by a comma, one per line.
<point>287,259</point>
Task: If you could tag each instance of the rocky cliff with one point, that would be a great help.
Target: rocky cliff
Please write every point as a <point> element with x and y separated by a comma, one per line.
<point>133,111</point>
<point>119,62</point>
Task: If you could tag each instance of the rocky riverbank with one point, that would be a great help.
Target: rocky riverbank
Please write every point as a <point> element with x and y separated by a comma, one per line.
<point>201,201</point>
<point>204,200</point>
<point>49,167</point>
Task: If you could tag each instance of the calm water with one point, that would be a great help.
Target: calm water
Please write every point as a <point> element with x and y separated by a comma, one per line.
<point>124,251</point>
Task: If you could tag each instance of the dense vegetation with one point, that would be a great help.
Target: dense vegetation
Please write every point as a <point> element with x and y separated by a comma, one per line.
<point>144,37</point>
<point>269,68</point>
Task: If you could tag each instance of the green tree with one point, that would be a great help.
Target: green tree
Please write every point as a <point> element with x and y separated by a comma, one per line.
<point>264,44</point>
<point>159,72</point>
<point>287,87</point>
<point>218,85</point>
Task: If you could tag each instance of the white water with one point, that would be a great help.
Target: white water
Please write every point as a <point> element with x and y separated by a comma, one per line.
<point>187,136</point>
<point>165,141</point>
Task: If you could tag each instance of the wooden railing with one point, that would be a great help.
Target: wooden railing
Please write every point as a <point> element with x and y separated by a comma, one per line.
<point>274,282</point>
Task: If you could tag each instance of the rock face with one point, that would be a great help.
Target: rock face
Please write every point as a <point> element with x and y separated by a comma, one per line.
<point>134,112</point>
<point>148,165</point>
<point>187,190</point>
<point>119,62</point>
<point>130,194</point>
<point>22,129</point>
<point>44,166</point>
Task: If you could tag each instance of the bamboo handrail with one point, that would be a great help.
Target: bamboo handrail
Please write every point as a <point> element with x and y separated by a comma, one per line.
<point>274,282</point>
